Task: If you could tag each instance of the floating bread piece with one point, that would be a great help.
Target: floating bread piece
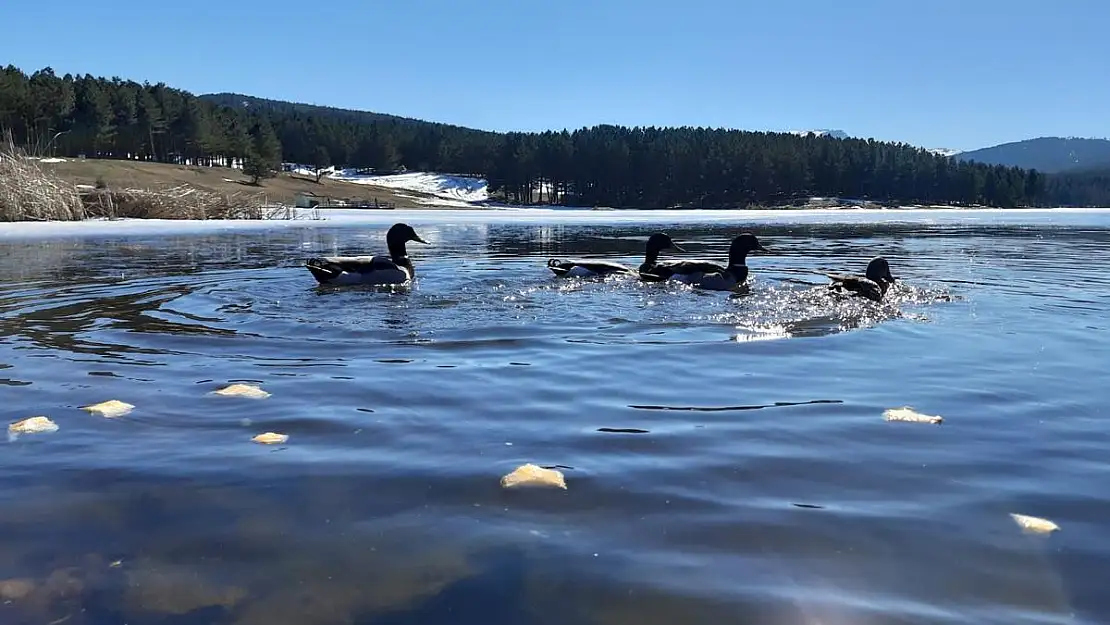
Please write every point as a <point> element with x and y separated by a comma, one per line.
<point>905,413</point>
<point>531,475</point>
<point>271,438</point>
<point>110,409</point>
<point>33,425</point>
<point>249,391</point>
<point>1034,524</point>
<point>15,589</point>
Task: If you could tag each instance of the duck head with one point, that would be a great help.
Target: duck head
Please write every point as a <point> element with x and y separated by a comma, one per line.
<point>742,246</point>
<point>661,241</point>
<point>403,233</point>
<point>878,271</point>
<point>397,236</point>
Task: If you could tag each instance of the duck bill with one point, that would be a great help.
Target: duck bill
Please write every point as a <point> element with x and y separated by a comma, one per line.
<point>678,247</point>
<point>763,249</point>
<point>419,240</point>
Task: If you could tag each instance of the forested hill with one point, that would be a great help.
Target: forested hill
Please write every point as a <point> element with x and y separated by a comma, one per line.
<point>324,135</point>
<point>1088,187</point>
<point>283,107</point>
<point>603,165</point>
<point>1046,154</point>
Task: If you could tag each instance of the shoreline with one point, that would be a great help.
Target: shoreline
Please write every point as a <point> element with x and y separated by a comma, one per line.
<point>343,218</point>
<point>297,186</point>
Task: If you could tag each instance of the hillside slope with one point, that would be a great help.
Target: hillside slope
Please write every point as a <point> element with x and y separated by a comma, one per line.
<point>283,188</point>
<point>1045,154</point>
<point>241,101</point>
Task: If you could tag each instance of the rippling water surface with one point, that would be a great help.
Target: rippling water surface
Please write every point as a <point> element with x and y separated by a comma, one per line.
<point>726,457</point>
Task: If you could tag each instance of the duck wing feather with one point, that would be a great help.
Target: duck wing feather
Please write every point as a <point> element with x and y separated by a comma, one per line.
<point>563,267</point>
<point>356,264</point>
<point>361,269</point>
<point>667,269</point>
<point>860,285</point>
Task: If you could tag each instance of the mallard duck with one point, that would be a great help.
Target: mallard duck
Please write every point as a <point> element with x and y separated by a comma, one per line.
<point>709,275</point>
<point>582,267</point>
<point>872,285</point>
<point>347,270</point>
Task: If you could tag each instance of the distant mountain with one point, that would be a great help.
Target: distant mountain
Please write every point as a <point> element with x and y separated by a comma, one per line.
<point>1045,154</point>
<point>943,151</point>
<point>835,134</point>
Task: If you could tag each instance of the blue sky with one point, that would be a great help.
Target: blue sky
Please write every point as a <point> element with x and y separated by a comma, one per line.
<point>938,73</point>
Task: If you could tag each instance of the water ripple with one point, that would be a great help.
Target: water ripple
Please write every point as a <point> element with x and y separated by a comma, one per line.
<point>725,455</point>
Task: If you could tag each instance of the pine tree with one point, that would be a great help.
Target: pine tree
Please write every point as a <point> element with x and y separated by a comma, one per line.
<point>264,154</point>
<point>322,162</point>
<point>376,151</point>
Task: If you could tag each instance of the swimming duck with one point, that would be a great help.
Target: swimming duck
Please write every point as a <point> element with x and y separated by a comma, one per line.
<point>872,285</point>
<point>347,270</point>
<point>582,267</point>
<point>709,275</point>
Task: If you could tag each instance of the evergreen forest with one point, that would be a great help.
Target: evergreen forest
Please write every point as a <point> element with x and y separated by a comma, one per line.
<point>604,165</point>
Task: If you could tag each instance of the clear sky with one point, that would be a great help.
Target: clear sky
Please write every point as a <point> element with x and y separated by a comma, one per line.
<point>937,73</point>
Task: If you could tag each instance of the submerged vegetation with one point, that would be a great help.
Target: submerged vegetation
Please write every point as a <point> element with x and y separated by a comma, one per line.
<point>603,165</point>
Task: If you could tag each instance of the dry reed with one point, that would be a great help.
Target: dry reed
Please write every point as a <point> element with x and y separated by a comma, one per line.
<point>175,202</point>
<point>30,192</point>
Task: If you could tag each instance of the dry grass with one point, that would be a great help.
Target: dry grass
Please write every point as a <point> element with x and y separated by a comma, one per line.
<point>282,189</point>
<point>176,202</point>
<point>30,192</point>
<point>33,190</point>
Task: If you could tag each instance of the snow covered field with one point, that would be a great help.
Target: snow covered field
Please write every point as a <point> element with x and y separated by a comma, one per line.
<point>448,190</point>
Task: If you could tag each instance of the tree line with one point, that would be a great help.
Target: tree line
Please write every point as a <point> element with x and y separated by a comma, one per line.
<point>1078,188</point>
<point>653,167</point>
<point>603,165</point>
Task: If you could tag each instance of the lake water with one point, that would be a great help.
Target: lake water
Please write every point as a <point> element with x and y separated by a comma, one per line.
<point>751,477</point>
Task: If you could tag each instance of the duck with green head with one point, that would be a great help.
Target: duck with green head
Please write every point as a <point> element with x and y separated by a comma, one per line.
<point>578,267</point>
<point>706,274</point>
<point>378,270</point>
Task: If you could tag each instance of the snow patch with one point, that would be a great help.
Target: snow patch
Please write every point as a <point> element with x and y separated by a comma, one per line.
<point>459,188</point>
<point>444,189</point>
<point>943,151</point>
<point>822,132</point>
<point>48,159</point>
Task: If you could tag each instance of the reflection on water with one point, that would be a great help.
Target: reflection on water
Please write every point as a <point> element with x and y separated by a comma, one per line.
<point>725,456</point>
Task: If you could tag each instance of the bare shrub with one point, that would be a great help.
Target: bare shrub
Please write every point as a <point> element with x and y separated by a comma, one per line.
<point>30,192</point>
